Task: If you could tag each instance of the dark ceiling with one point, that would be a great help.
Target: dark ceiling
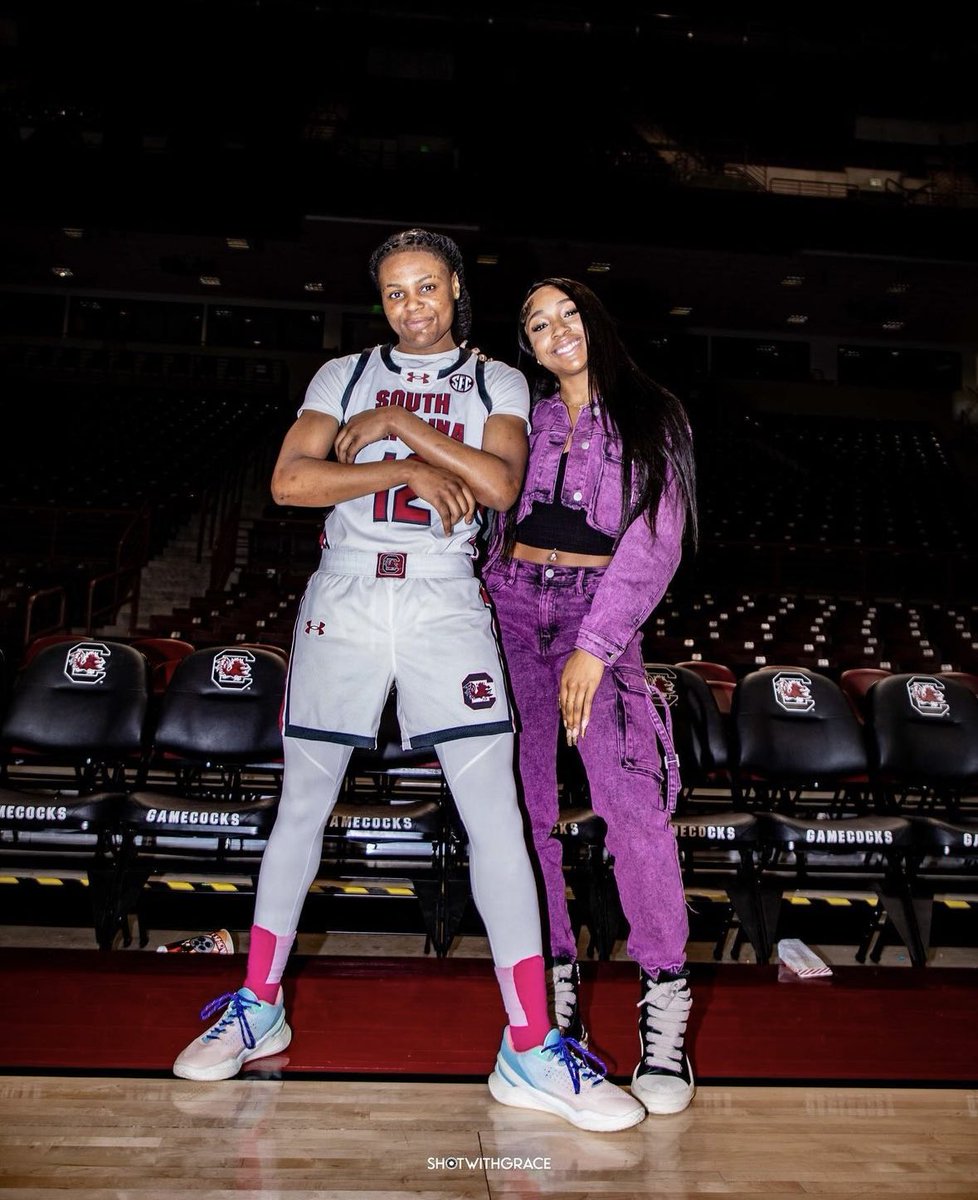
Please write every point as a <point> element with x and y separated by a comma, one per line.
<point>312,129</point>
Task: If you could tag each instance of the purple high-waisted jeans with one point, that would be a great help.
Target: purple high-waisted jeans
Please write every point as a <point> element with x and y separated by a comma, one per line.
<point>540,609</point>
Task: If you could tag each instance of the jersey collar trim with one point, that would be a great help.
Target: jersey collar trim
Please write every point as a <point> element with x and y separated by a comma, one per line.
<point>391,365</point>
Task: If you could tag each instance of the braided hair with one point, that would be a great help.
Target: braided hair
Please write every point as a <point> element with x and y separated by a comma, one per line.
<point>442,247</point>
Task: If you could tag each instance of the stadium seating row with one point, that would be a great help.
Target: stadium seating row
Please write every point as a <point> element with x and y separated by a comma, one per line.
<point>130,768</point>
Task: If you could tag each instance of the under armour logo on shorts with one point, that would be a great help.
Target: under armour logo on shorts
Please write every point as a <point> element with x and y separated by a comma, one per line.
<point>317,627</point>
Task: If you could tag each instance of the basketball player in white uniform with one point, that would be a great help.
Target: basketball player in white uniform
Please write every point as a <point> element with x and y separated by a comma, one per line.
<point>405,444</point>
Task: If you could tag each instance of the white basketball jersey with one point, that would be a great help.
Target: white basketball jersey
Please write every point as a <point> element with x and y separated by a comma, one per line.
<point>454,392</point>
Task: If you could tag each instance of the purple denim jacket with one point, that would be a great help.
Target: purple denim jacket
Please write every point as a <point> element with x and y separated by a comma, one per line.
<point>642,565</point>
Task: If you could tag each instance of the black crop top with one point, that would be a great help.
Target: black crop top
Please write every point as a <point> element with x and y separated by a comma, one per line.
<point>554,527</point>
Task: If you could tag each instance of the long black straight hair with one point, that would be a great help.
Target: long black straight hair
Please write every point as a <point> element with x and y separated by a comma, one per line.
<point>651,422</point>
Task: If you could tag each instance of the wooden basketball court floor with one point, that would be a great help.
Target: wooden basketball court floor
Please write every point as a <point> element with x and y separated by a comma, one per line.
<point>118,1133</point>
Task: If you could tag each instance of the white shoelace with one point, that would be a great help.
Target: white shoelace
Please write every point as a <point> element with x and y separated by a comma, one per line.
<point>667,1008</point>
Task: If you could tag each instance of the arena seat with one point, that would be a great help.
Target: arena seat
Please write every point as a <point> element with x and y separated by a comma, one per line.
<point>164,653</point>
<point>968,678</point>
<point>36,645</point>
<point>163,649</point>
<point>924,754</point>
<point>856,682</point>
<point>802,765</point>
<point>71,742</point>
<point>797,743</point>
<point>923,742</point>
<point>720,678</point>
<point>716,844</point>
<point>208,791</point>
<point>710,671</point>
<point>699,730</point>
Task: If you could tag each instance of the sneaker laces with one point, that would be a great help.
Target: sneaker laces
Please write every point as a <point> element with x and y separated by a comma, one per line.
<point>575,1058</point>
<point>236,1011</point>
<point>565,994</point>
<point>667,1007</point>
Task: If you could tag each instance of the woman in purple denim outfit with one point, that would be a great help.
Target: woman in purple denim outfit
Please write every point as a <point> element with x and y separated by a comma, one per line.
<point>574,570</point>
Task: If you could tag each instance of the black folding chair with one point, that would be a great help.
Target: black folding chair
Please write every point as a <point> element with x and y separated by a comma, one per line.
<point>802,767</point>
<point>71,743</point>
<point>924,757</point>
<point>208,793</point>
<point>717,845</point>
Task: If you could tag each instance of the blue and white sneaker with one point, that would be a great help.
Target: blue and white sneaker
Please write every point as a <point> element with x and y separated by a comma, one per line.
<point>250,1028</point>
<point>556,1078</point>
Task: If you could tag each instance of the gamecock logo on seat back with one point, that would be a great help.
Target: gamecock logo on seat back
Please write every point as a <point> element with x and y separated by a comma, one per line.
<point>793,691</point>
<point>87,662</point>
<point>662,682</point>
<point>927,696</point>
<point>232,670</point>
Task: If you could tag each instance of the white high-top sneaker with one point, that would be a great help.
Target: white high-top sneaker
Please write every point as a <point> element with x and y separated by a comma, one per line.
<point>663,1079</point>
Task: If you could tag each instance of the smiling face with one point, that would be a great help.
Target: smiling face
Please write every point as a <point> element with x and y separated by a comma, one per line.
<point>554,329</point>
<point>418,292</point>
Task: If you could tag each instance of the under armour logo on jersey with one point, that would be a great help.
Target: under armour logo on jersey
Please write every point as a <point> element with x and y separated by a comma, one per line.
<point>415,376</point>
<point>461,383</point>
<point>479,691</point>
<point>316,627</point>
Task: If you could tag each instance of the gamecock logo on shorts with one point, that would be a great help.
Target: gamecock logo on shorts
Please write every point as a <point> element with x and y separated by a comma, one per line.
<point>461,383</point>
<point>927,696</point>
<point>87,662</point>
<point>391,565</point>
<point>479,691</point>
<point>232,670</point>
<point>793,692</point>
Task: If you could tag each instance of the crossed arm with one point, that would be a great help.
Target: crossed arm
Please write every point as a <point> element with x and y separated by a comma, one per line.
<point>449,475</point>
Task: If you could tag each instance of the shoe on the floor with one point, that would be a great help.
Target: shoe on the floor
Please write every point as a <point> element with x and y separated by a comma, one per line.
<point>556,1078</point>
<point>249,1028</point>
<point>565,976</point>
<point>663,1079</point>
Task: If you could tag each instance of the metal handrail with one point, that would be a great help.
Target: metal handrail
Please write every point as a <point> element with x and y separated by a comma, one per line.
<point>119,598</point>
<point>29,632</point>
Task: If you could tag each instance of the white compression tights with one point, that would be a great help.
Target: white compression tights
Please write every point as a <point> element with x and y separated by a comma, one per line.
<point>479,773</point>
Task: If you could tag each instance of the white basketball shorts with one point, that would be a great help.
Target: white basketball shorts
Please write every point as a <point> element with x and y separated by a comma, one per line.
<point>422,622</point>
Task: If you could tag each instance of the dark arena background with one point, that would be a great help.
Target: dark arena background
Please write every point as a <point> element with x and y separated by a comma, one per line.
<point>781,211</point>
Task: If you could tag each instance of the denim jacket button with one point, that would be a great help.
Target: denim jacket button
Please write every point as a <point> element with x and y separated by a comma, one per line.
<point>577,495</point>
<point>584,445</point>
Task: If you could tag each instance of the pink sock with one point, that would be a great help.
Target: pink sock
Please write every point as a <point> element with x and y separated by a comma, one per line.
<point>525,998</point>
<point>267,956</point>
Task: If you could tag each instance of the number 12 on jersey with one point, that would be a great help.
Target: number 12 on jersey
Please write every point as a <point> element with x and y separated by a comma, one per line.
<point>397,504</point>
